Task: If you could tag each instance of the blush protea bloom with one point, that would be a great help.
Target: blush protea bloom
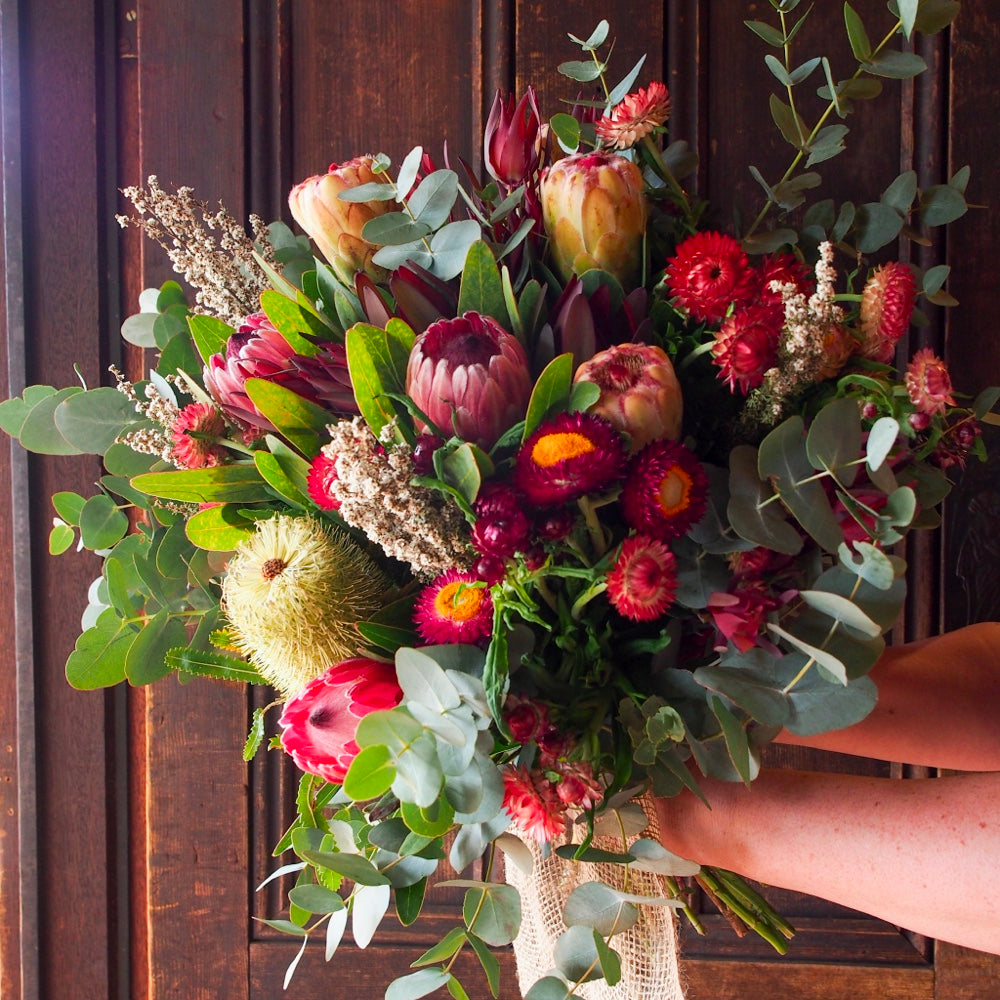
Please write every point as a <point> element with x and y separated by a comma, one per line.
<point>635,117</point>
<point>886,307</point>
<point>320,722</point>
<point>594,212</point>
<point>191,431</point>
<point>510,142</point>
<point>319,482</point>
<point>640,394</point>
<point>708,273</point>
<point>469,375</point>
<point>531,800</point>
<point>567,457</point>
<point>928,383</point>
<point>334,224</point>
<point>257,350</point>
<point>643,581</point>
<point>455,608</point>
<point>746,346</point>
<point>665,490</point>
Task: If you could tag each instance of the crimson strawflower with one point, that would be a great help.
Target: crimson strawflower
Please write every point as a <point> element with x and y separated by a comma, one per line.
<point>928,383</point>
<point>190,449</point>
<point>635,116</point>
<point>568,457</point>
<point>708,273</point>
<point>886,307</point>
<point>531,800</point>
<point>319,482</point>
<point>643,582</point>
<point>455,608</point>
<point>746,346</point>
<point>665,490</point>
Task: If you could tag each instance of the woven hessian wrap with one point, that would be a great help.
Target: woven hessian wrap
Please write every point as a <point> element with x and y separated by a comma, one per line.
<point>648,950</point>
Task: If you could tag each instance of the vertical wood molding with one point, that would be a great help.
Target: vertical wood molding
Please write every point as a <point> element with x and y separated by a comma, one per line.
<point>19,955</point>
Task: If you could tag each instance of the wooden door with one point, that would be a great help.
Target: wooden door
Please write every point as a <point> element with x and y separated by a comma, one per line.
<point>131,833</point>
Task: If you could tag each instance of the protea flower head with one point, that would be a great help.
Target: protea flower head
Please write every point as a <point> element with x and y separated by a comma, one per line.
<point>257,350</point>
<point>594,212</point>
<point>585,321</point>
<point>640,394</point>
<point>886,307</point>
<point>510,143</point>
<point>335,225</point>
<point>293,593</point>
<point>320,723</point>
<point>470,376</point>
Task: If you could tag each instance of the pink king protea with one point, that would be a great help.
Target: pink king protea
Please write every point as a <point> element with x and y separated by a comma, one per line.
<point>470,377</point>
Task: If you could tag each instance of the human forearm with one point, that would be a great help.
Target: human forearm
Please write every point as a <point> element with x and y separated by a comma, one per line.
<point>938,705</point>
<point>916,853</point>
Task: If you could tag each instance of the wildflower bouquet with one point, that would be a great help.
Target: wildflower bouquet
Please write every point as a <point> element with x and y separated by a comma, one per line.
<point>529,494</point>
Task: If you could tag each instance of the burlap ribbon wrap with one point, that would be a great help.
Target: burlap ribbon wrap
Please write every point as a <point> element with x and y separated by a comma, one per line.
<point>648,950</point>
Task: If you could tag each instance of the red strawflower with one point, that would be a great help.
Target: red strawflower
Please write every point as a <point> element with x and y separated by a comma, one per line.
<point>531,801</point>
<point>741,615</point>
<point>192,452</point>
<point>319,482</point>
<point>568,457</point>
<point>526,718</point>
<point>886,307</point>
<point>319,723</point>
<point>502,527</point>
<point>928,383</point>
<point>455,608</point>
<point>643,581</point>
<point>665,491</point>
<point>635,116</point>
<point>708,273</point>
<point>578,788</point>
<point>784,269</point>
<point>746,346</point>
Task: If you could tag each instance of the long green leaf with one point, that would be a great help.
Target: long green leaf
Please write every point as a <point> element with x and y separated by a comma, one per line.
<point>237,483</point>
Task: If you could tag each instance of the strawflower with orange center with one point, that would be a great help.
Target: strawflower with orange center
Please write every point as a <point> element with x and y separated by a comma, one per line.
<point>568,457</point>
<point>928,383</point>
<point>455,608</point>
<point>665,491</point>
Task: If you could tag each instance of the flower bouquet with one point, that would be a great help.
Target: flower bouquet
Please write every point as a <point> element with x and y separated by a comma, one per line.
<point>531,496</point>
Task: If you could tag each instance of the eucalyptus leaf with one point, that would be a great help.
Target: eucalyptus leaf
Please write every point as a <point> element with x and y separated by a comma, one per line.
<point>576,956</point>
<point>599,906</point>
<point>370,905</point>
<point>431,203</point>
<point>98,659</point>
<point>417,984</point>
<point>145,660</point>
<point>493,913</point>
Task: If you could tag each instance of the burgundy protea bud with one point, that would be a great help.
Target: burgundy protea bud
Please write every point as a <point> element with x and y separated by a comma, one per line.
<point>470,376</point>
<point>594,212</point>
<point>510,142</point>
<point>334,224</point>
<point>423,453</point>
<point>587,322</point>
<point>640,394</point>
<point>886,307</point>
<point>257,350</point>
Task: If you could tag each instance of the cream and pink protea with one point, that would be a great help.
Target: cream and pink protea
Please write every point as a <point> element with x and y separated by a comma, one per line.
<point>257,350</point>
<point>640,394</point>
<point>886,308</point>
<point>335,225</point>
<point>194,436</point>
<point>594,211</point>
<point>568,457</point>
<point>455,608</point>
<point>665,491</point>
<point>319,723</point>
<point>708,273</point>
<point>928,383</point>
<point>635,117</point>
<point>470,377</point>
<point>642,583</point>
